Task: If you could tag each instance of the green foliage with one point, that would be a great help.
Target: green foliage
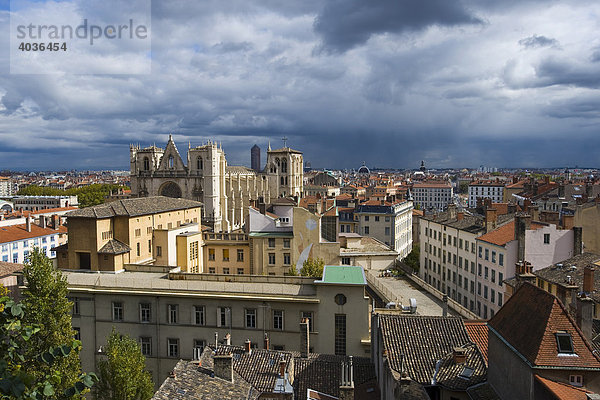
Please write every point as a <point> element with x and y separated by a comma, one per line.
<point>16,380</point>
<point>90,195</point>
<point>292,271</point>
<point>412,259</point>
<point>463,187</point>
<point>313,268</point>
<point>123,374</point>
<point>45,298</point>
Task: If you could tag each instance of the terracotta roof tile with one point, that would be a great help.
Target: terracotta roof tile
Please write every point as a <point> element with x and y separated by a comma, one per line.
<point>478,332</point>
<point>506,233</point>
<point>7,269</point>
<point>12,233</point>
<point>562,391</point>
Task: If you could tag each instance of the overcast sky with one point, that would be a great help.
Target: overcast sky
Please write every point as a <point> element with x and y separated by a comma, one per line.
<point>388,82</point>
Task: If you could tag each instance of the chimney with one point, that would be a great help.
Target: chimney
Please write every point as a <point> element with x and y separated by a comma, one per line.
<point>584,314</point>
<point>460,216</point>
<point>347,383</point>
<point>28,223</point>
<point>248,346</point>
<point>459,355</point>
<point>568,221</point>
<point>577,240</point>
<point>304,338</point>
<point>262,207</point>
<point>452,211</point>
<point>512,208</point>
<point>526,205</point>
<point>43,221</point>
<point>522,223</point>
<point>445,305</point>
<point>223,367</point>
<point>282,366</point>
<point>216,340</point>
<point>491,218</point>
<point>266,342</point>
<point>228,339</point>
<point>588,279</point>
<point>561,191</point>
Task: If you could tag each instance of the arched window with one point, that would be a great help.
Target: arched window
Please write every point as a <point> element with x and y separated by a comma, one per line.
<point>146,164</point>
<point>282,181</point>
<point>171,161</point>
<point>284,165</point>
<point>277,161</point>
<point>200,163</point>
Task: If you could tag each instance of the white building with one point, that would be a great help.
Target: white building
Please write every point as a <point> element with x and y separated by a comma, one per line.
<point>34,203</point>
<point>7,186</point>
<point>482,189</point>
<point>388,223</point>
<point>432,196</point>
<point>17,241</point>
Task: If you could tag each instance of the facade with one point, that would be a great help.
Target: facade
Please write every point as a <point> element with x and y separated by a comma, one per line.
<point>485,190</point>
<point>17,241</point>
<point>7,186</point>
<point>152,230</point>
<point>366,251</point>
<point>226,191</point>
<point>35,203</point>
<point>587,216</point>
<point>432,196</point>
<point>389,223</point>
<point>175,315</point>
<point>226,253</point>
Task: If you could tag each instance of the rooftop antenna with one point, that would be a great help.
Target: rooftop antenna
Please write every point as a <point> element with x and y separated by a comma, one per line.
<point>284,141</point>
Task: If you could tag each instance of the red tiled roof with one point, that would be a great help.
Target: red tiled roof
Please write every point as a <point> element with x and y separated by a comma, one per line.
<point>432,185</point>
<point>13,233</point>
<point>478,333</point>
<point>529,322</point>
<point>51,210</point>
<point>506,233</point>
<point>562,391</point>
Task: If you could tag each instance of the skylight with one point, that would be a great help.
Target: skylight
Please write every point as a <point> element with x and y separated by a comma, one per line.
<point>564,342</point>
<point>466,373</point>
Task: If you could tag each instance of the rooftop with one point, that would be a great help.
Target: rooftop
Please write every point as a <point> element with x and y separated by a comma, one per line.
<point>134,207</point>
<point>13,233</point>
<point>343,275</point>
<point>573,268</point>
<point>506,233</point>
<point>7,269</point>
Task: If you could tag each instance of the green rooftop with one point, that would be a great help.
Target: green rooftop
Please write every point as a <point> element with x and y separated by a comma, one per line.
<point>345,275</point>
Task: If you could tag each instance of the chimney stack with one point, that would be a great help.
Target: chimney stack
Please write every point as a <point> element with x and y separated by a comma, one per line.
<point>28,223</point>
<point>42,221</point>
<point>522,223</point>
<point>459,355</point>
<point>451,211</point>
<point>216,340</point>
<point>445,305</point>
<point>577,240</point>
<point>263,208</point>
<point>491,218</point>
<point>460,216</point>
<point>304,338</point>
<point>282,366</point>
<point>266,342</point>
<point>588,279</point>
<point>223,367</point>
<point>347,383</point>
<point>248,346</point>
<point>568,221</point>
<point>228,339</point>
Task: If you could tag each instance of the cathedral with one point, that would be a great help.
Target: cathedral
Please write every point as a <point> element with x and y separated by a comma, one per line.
<point>226,191</point>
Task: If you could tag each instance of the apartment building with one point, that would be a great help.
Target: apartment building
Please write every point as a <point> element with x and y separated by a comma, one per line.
<point>35,203</point>
<point>174,315</point>
<point>432,195</point>
<point>485,190</point>
<point>390,223</point>
<point>17,241</point>
<point>7,186</point>
<point>226,253</point>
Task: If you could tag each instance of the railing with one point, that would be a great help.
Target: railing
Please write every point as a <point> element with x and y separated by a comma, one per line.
<point>388,294</point>
<point>456,306</point>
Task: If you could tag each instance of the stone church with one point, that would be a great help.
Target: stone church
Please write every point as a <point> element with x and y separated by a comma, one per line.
<point>226,191</point>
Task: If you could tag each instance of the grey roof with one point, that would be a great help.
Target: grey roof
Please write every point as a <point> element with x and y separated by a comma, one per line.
<point>114,246</point>
<point>235,169</point>
<point>484,391</point>
<point>469,223</point>
<point>573,267</point>
<point>414,344</point>
<point>134,207</point>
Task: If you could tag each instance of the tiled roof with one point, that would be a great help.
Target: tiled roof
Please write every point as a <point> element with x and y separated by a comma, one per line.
<point>414,344</point>
<point>478,332</point>
<point>469,223</point>
<point>558,272</point>
<point>114,246</point>
<point>134,207</point>
<point>53,210</point>
<point>13,233</point>
<point>7,269</point>
<point>432,186</point>
<point>529,320</point>
<point>563,391</point>
<point>484,391</point>
<point>506,233</point>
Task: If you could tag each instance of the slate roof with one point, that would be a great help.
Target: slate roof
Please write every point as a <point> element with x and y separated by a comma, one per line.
<point>114,246</point>
<point>478,333</point>
<point>563,390</point>
<point>469,223</point>
<point>558,272</point>
<point>236,169</point>
<point>414,344</point>
<point>134,207</point>
<point>529,320</point>
<point>482,391</point>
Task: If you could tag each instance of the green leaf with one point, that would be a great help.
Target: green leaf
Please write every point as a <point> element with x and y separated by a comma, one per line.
<point>48,390</point>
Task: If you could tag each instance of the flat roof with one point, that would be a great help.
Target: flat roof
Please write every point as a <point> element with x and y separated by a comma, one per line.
<point>344,275</point>
<point>271,234</point>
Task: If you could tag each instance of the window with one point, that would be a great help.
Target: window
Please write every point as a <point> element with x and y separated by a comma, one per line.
<point>366,230</point>
<point>340,299</point>
<point>345,260</point>
<point>271,242</point>
<point>225,254</point>
<point>211,254</point>
<point>198,348</point>
<point>158,251</point>
<point>250,318</point>
<point>193,251</point>
<point>278,320</point>
<point>173,347</point>
<point>387,219</point>
<point>387,231</point>
<point>145,312</point>
<point>546,238</point>
<point>340,334</point>
<point>376,219</point>
<point>199,163</point>
<point>138,249</point>
<point>500,299</point>
<point>271,258</point>
<point>473,248</point>
<point>487,254</point>
<point>480,251</point>
<point>286,259</point>
<point>564,342</point>
<point>486,273</point>
<point>485,292</point>
<point>240,255</point>
<point>173,311</point>
<point>146,345</point>
<point>223,316</point>
<point>240,271</point>
<point>15,258</point>
<point>75,301</point>
<point>211,270</point>
<point>501,259</point>
<point>576,380</point>
<point>479,269</point>
<point>493,276</point>
<point>117,309</point>
<point>500,278</point>
<point>226,271</point>
<point>138,232</point>
<point>198,317</point>
<point>308,315</point>
<point>493,256</point>
<point>479,288</point>
<point>150,246</point>
<point>492,296</point>
<point>366,218</point>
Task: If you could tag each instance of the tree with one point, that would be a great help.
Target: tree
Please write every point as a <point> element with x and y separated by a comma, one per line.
<point>413,258</point>
<point>45,298</point>
<point>17,382</point>
<point>89,195</point>
<point>292,271</point>
<point>313,268</point>
<point>123,374</point>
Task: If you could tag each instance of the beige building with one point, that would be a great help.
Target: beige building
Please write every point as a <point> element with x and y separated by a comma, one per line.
<point>587,216</point>
<point>174,315</point>
<point>226,253</point>
<point>390,223</point>
<point>226,191</point>
<point>133,231</point>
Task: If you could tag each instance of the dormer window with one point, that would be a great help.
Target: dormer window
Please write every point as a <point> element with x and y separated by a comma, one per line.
<point>564,342</point>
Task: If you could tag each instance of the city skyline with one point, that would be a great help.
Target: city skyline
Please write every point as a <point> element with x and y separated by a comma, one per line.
<point>457,84</point>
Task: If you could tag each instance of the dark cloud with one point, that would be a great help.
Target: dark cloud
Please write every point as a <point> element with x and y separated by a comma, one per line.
<point>344,24</point>
<point>536,41</point>
<point>553,71</point>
